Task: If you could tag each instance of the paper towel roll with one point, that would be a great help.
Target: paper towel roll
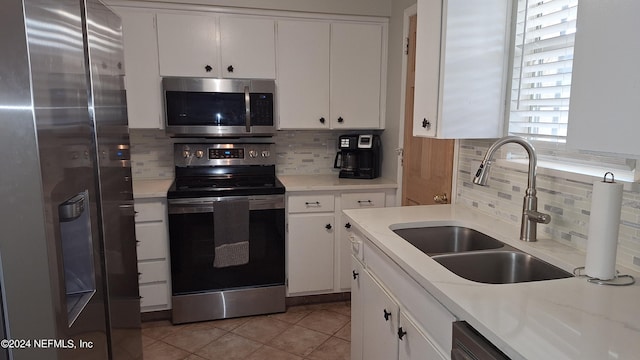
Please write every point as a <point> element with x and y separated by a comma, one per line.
<point>604,224</point>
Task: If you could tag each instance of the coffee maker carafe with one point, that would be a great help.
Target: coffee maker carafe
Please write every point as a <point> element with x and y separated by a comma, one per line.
<point>359,156</point>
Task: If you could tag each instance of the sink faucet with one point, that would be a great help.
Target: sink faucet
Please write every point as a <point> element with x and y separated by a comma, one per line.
<point>530,215</point>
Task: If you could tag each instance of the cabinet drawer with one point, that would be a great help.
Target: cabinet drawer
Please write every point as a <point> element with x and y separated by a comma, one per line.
<point>311,203</point>
<point>150,211</point>
<point>153,271</point>
<point>362,200</point>
<point>423,307</point>
<point>152,241</point>
<point>154,295</point>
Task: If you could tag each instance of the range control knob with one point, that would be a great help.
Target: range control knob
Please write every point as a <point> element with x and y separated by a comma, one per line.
<point>186,153</point>
<point>199,154</point>
<point>266,153</point>
<point>253,153</point>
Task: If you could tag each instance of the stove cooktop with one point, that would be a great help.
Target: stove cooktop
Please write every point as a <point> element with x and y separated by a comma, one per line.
<point>208,187</point>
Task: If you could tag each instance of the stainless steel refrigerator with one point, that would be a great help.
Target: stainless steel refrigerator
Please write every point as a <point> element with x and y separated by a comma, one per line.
<point>68,275</point>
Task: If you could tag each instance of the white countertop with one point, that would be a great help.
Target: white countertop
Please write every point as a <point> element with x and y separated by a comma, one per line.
<point>556,319</point>
<point>332,182</point>
<point>152,188</point>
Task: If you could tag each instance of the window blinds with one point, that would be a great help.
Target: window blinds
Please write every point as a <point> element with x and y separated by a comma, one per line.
<point>543,57</point>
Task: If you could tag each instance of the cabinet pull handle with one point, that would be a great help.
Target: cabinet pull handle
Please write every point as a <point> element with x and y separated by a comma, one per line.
<point>426,124</point>
<point>315,203</point>
<point>347,225</point>
<point>322,120</point>
<point>340,119</point>
<point>355,274</point>
<point>208,68</point>
<point>137,241</point>
<point>328,226</point>
<point>387,315</point>
<point>230,68</point>
<point>401,333</point>
<point>365,202</point>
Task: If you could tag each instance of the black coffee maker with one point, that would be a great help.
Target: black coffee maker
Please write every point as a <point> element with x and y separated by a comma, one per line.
<point>359,156</point>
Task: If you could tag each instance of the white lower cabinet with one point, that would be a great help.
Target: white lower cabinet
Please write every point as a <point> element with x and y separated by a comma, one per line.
<point>379,321</point>
<point>356,311</point>
<point>414,344</point>
<point>153,254</point>
<point>318,239</point>
<point>393,318</point>
<point>310,256</point>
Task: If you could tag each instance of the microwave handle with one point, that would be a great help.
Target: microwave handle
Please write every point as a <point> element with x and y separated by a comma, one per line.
<point>247,109</point>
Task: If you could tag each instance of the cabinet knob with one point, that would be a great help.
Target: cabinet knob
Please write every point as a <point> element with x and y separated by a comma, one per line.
<point>355,274</point>
<point>322,120</point>
<point>230,68</point>
<point>401,333</point>
<point>340,119</point>
<point>426,124</point>
<point>387,315</point>
<point>347,225</point>
<point>328,226</point>
<point>208,68</point>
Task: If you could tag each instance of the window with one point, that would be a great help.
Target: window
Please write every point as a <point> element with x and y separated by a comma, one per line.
<point>543,57</point>
<point>541,86</point>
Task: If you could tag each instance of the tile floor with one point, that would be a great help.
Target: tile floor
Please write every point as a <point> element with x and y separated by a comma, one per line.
<point>307,332</point>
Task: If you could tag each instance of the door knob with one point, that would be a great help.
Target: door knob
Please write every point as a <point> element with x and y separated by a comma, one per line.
<point>441,199</point>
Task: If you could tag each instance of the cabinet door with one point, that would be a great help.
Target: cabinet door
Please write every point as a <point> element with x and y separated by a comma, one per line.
<point>310,253</point>
<point>427,81</point>
<point>187,45</point>
<point>465,97</point>
<point>142,79</point>
<point>356,309</point>
<point>413,344</point>
<point>247,47</point>
<point>380,321</point>
<point>351,201</point>
<point>603,115</point>
<point>303,68</point>
<point>356,75</point>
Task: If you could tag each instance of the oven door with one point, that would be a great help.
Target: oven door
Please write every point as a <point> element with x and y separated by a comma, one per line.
<point>219,107</point>
<point>194,247</point>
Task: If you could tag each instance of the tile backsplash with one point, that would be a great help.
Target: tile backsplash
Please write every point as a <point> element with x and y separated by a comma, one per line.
<point>567,201</point>
<point>300,152</point>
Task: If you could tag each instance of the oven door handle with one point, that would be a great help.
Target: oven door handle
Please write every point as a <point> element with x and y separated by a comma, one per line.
<point>247,109</point>
<point>205,205</point>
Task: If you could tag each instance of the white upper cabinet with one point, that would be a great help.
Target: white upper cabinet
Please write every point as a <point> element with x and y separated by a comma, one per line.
<point>187,45</point>
<point>142,79</point>
<point>213,45</point>
<point>605,85</point>
<point>356,75</point>
<point>330,74</point>
<point>461,67</point>
<point>303,74</point>
<point>247,47</point>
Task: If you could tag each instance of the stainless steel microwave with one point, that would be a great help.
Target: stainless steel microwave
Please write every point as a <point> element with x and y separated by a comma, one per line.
<point>204,107</point>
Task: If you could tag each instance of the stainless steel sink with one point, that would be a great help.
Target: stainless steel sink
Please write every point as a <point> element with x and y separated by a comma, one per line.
<point>447,239</point>
<point>500,267</point>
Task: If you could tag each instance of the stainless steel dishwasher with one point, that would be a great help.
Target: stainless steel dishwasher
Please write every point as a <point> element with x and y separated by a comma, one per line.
<point>468,344</point>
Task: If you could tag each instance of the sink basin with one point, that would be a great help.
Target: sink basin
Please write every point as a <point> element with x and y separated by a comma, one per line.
<point>500,267</point>
<point>447,239</point>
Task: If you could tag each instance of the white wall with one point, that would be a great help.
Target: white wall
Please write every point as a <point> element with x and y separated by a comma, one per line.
<point>350,7</point>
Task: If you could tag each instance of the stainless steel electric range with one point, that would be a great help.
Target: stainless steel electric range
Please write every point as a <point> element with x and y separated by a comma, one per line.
<point>226,232</point>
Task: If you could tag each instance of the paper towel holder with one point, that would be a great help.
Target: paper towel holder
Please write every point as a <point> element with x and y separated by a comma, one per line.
<point>618,280</point>
<point>613,179</point>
